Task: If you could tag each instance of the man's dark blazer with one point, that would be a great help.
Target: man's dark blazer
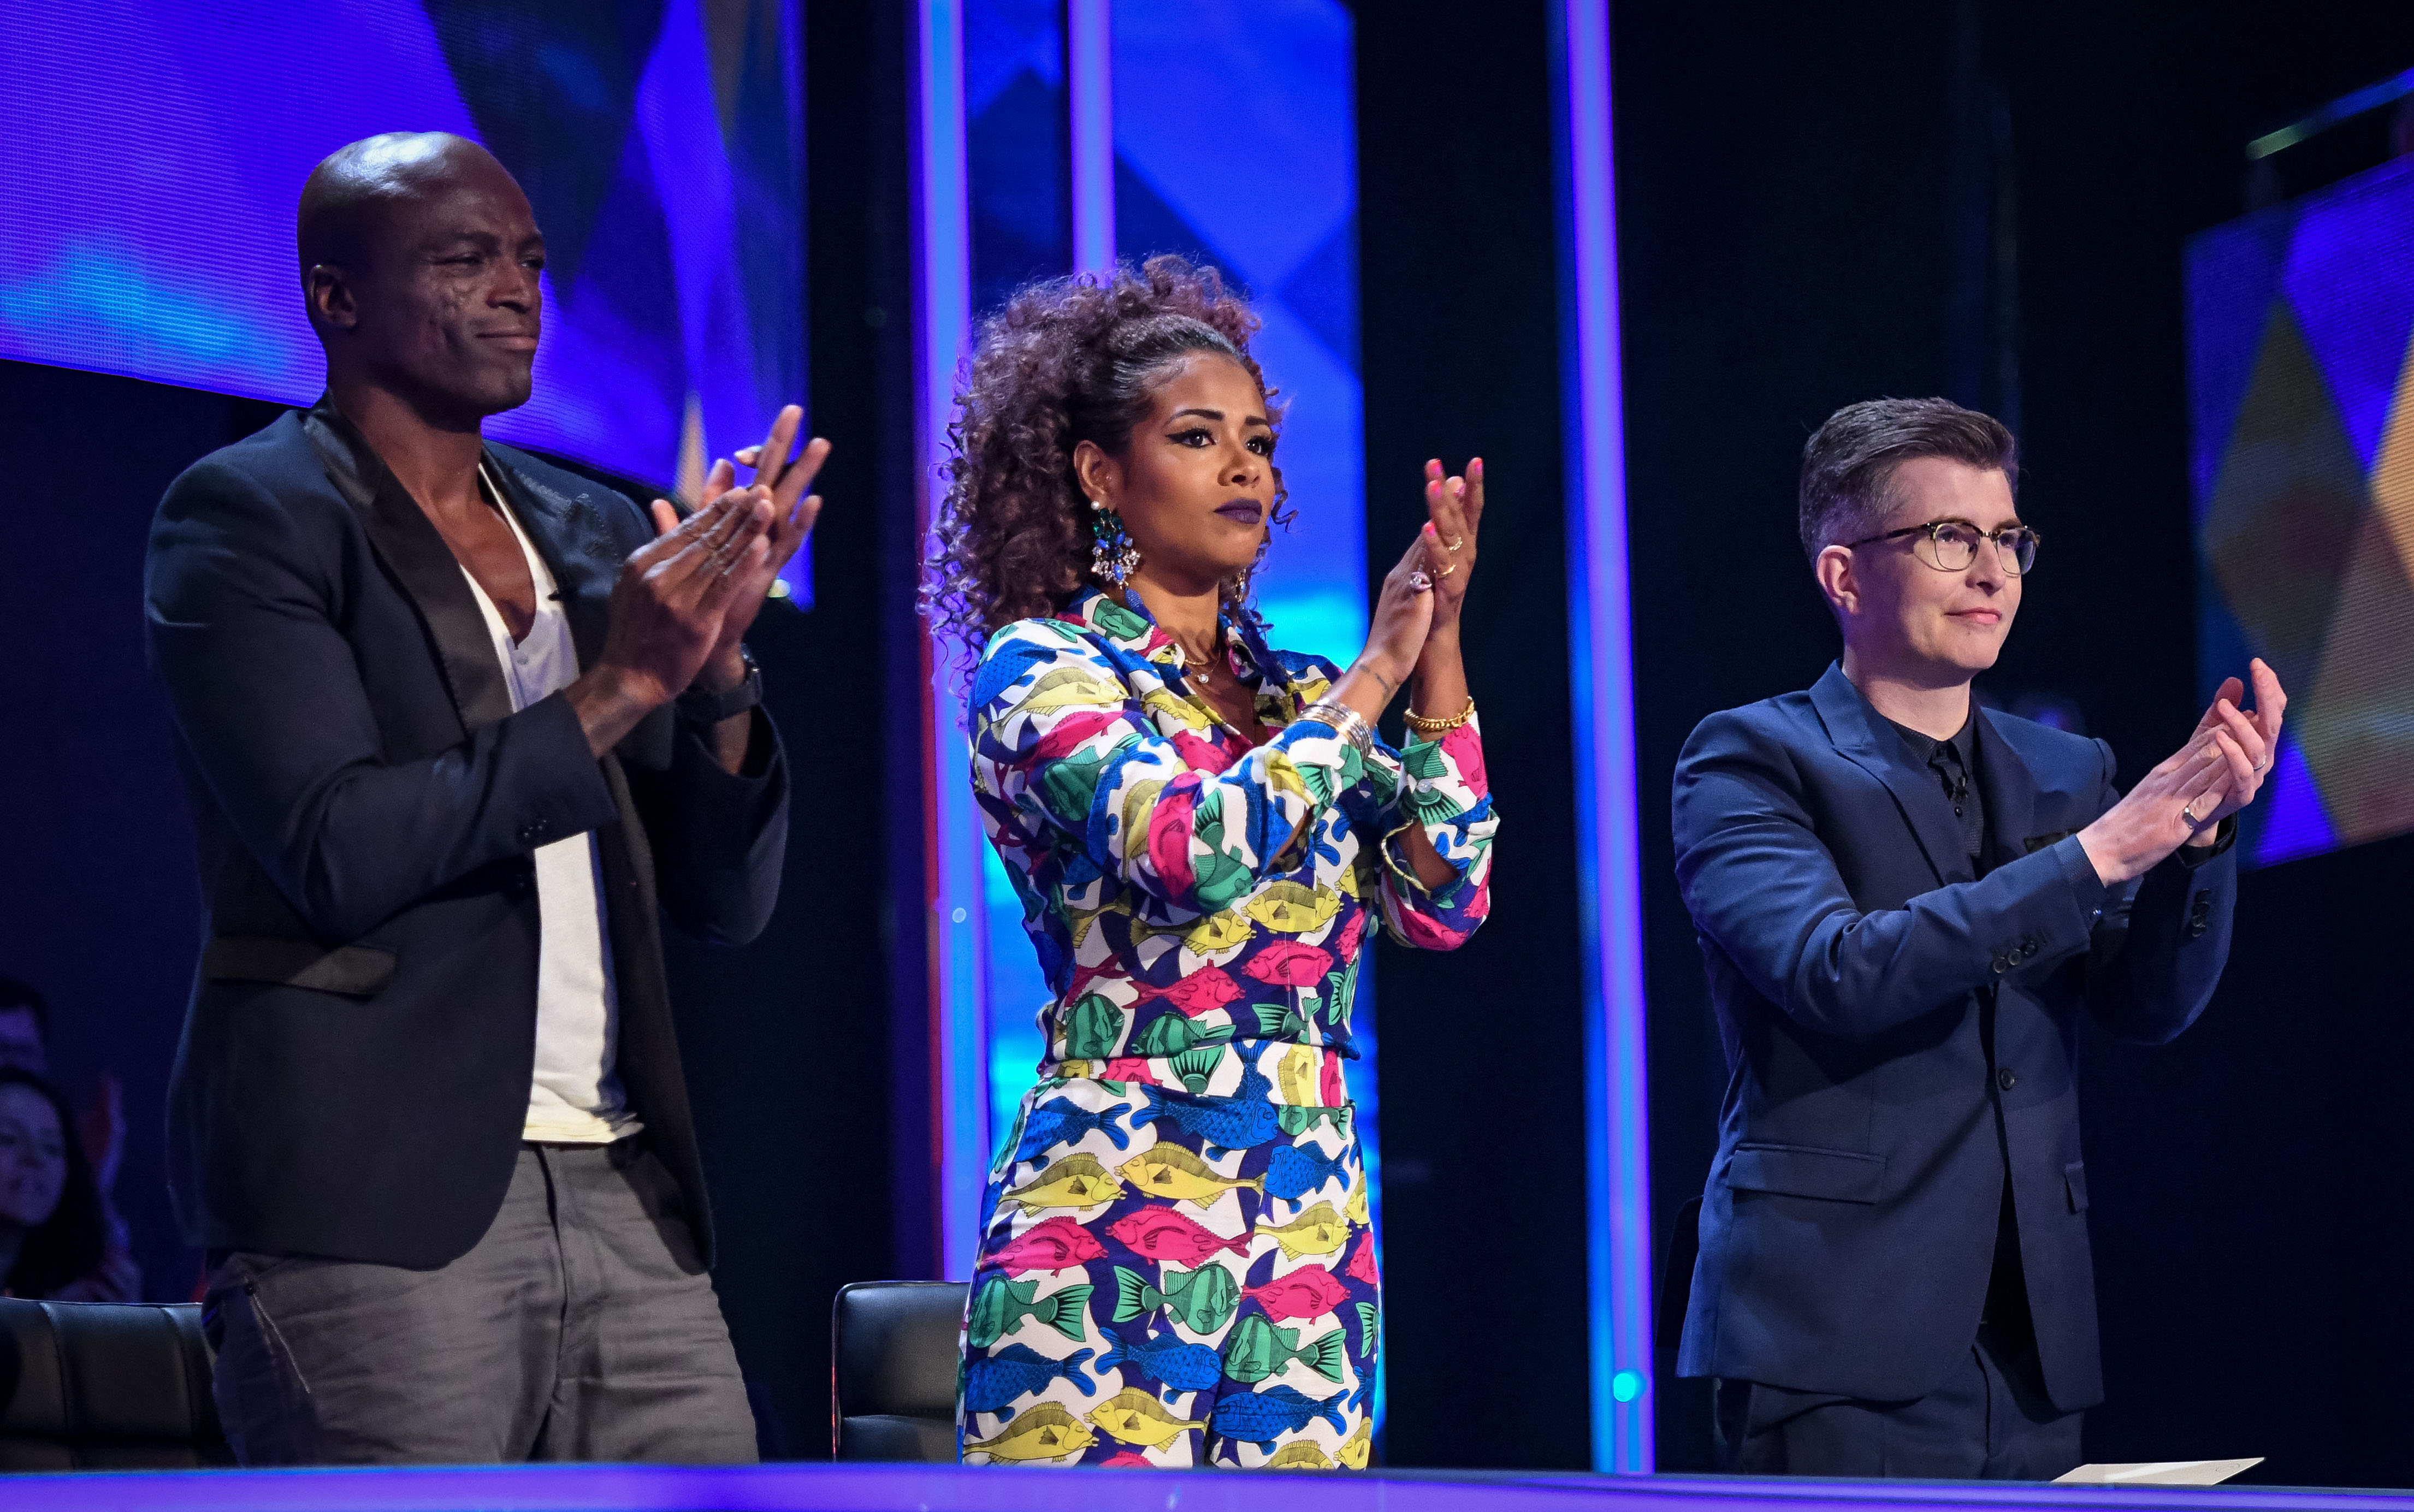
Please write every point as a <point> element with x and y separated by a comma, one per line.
<point>1895,1030</point>
<point>355,1064</point>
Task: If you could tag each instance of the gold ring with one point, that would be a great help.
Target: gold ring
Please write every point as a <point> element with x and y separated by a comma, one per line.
<point>1447,571</point>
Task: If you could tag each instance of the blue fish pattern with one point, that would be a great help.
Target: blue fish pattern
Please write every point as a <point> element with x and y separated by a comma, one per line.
<point>997,1379</point>
<point>1264,1416</point>
<point>1062,1123</point>
<point>1183,1366</point>
<point>1296,1170</point>
<point>1222,1125</point>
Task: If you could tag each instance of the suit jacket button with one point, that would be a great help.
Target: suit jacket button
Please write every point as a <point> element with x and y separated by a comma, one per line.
<point>2002,964</point>
<point>2006,1080</point>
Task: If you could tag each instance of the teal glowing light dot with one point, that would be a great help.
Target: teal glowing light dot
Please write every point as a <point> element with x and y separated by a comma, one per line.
<point>1626,1385</point>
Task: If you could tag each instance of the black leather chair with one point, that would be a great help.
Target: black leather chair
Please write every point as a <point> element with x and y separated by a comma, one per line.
<point>893,1346</point>
<point>105,1386</point>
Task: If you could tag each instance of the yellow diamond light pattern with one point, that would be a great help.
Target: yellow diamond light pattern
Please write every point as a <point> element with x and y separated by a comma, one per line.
<point>2314,558</point>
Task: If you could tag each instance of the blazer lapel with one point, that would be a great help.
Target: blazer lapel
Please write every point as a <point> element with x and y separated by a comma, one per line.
<point>1858,730</point>
<point>2010,790</point>
<point>569,534</point>
<point>420,560</point>
<point>569,531</point>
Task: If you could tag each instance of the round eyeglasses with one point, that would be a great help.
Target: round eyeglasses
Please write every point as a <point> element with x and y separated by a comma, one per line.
<point>1952,545</point>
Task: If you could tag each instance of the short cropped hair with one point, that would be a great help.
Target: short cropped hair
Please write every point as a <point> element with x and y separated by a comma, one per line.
<point>1848,464</point>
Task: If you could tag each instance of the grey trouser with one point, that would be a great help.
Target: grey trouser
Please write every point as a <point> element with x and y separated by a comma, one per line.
<point>580,1328</point>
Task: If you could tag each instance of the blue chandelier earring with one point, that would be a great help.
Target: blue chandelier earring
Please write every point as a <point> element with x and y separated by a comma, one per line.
<point>1114,556</point>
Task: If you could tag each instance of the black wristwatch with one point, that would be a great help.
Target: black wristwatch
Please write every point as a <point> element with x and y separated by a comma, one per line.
<point>699,705</point>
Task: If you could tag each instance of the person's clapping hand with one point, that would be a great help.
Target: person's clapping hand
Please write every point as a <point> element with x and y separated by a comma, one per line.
<point>2218,772</point>
<point>2249,743</point>
<point>1453,512</point>
<point>779,482</point>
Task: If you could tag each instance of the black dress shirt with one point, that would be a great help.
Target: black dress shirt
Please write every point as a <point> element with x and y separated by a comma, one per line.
<point>1955,761</point>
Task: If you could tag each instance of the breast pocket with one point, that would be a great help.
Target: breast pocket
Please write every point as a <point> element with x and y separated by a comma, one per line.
<point>1808,1171</point>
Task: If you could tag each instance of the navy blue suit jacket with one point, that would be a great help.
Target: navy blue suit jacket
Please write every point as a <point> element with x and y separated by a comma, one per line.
<point>1895,1031</point>
<point>355,1070</point>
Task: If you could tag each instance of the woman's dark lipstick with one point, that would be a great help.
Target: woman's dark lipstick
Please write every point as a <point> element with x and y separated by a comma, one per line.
<point>1247,510</point>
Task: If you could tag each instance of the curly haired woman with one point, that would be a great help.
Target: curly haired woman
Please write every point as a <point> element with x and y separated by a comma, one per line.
<point>1176,1267</point>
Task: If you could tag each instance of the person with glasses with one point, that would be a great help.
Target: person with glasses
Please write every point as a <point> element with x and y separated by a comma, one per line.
<point>1906,905</point>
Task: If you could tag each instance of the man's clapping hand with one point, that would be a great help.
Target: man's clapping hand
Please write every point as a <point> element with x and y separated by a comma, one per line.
<point>779,482</point>
<point>2218,772</point>
<point>666,613</point>
<point>685,600</point>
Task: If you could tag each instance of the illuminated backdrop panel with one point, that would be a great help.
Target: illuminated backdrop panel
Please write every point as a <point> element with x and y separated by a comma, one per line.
<point>2302,340</point>
<point>1234,143</point>
<point>152,151</point>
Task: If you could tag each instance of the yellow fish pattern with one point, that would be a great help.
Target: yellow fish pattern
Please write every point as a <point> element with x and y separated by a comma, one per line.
<point>1359,1446</point>
<point>1318,1231</point>
<point>1287,908</point>
<point>1300,1453</point>
<point>1075,1181</point>
<point>1136,1417</point>
<point>1170,1171</point>
<point>1044,1432</point>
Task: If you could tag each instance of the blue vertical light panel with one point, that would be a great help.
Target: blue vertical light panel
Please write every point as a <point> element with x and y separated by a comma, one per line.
<point>1601,670</point>
<point>1089,56</point>
<point>1236,141</point>
<point>1019,70</point>
<point>943,322</point>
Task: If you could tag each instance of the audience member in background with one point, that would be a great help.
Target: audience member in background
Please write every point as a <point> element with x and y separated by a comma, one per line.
<point>55,1237</point>
<point>25,1045</point>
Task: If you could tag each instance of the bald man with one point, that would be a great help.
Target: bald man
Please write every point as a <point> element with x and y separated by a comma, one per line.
<point>457,725</point>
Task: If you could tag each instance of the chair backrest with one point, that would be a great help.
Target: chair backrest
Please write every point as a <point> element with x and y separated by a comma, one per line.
<point>105,1386</point>
<point>894,1351</point>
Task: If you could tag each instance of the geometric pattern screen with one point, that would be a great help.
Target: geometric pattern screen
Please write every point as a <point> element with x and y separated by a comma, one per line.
<point>2301,362</point>
<point>152,153</point>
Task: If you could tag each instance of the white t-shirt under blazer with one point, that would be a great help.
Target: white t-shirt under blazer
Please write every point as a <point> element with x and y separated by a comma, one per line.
<point>576,1098</point>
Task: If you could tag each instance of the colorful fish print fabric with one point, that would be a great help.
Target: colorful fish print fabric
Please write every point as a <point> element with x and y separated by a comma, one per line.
<point>1176,1266</point>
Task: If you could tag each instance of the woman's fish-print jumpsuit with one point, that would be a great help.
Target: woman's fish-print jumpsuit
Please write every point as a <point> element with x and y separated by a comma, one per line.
<point>1176,1266</point>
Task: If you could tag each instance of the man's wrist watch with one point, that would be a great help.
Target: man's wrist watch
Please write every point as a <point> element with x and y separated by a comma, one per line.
<point>702,706</point>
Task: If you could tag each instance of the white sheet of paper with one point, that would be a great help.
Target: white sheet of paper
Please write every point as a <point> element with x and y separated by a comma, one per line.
<point>2159,1473</point>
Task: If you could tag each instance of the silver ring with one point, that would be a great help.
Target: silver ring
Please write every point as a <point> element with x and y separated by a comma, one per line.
<point>2187,812</point>
<point>1417,580</point>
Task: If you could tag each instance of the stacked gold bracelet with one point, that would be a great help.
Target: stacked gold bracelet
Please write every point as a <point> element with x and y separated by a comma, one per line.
<point>1437,727</point>
<point>1346,722</point>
